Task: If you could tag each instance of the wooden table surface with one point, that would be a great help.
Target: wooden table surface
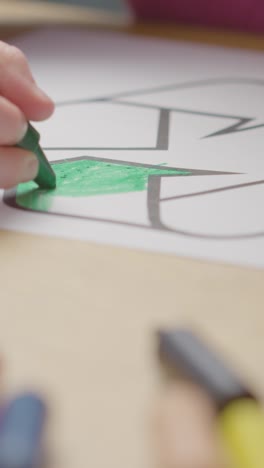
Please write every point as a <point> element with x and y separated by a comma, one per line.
<point>77,322</point>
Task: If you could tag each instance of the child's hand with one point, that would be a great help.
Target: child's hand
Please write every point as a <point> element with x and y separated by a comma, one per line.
<point>20,100</point>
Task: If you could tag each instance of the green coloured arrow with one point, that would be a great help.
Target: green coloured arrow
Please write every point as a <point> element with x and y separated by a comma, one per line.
<point>87,178</point>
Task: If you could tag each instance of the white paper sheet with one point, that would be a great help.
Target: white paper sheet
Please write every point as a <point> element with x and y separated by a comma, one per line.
<point>145,108</point>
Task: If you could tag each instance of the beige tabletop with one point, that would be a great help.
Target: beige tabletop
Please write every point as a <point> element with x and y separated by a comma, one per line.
<point>77,323</point>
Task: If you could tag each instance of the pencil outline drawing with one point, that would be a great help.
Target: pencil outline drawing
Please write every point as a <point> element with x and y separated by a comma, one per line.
<point>154,199</point>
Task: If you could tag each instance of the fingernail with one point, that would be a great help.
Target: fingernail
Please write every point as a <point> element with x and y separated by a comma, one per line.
<point>30,169</point>
<point>22,131</point>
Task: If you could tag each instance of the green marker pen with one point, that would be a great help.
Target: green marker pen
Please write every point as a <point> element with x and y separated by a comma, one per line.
<point>46,177</point>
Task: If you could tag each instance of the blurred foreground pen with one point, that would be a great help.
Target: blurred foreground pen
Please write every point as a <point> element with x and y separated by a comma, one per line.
<point>240,417</point>
<point>46,177</point>
<point>241,426</point>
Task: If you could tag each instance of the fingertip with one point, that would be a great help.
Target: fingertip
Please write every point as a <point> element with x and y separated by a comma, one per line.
<point>43,97</point>
<point>33,101</point>
<point>16,166</point>
<point>41,106</point>
<point>18,86</point>
<point>13,124</point>
<point>49,109</point>
<point>41,111</point>
<point>29,168</point>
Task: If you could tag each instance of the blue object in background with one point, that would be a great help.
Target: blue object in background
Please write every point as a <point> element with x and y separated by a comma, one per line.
<point>113,5</point>
<point>21,428</point>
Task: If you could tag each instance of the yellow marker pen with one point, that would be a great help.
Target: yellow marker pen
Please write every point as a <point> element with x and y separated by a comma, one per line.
<point>241,425</point>
<point>240,416</point>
